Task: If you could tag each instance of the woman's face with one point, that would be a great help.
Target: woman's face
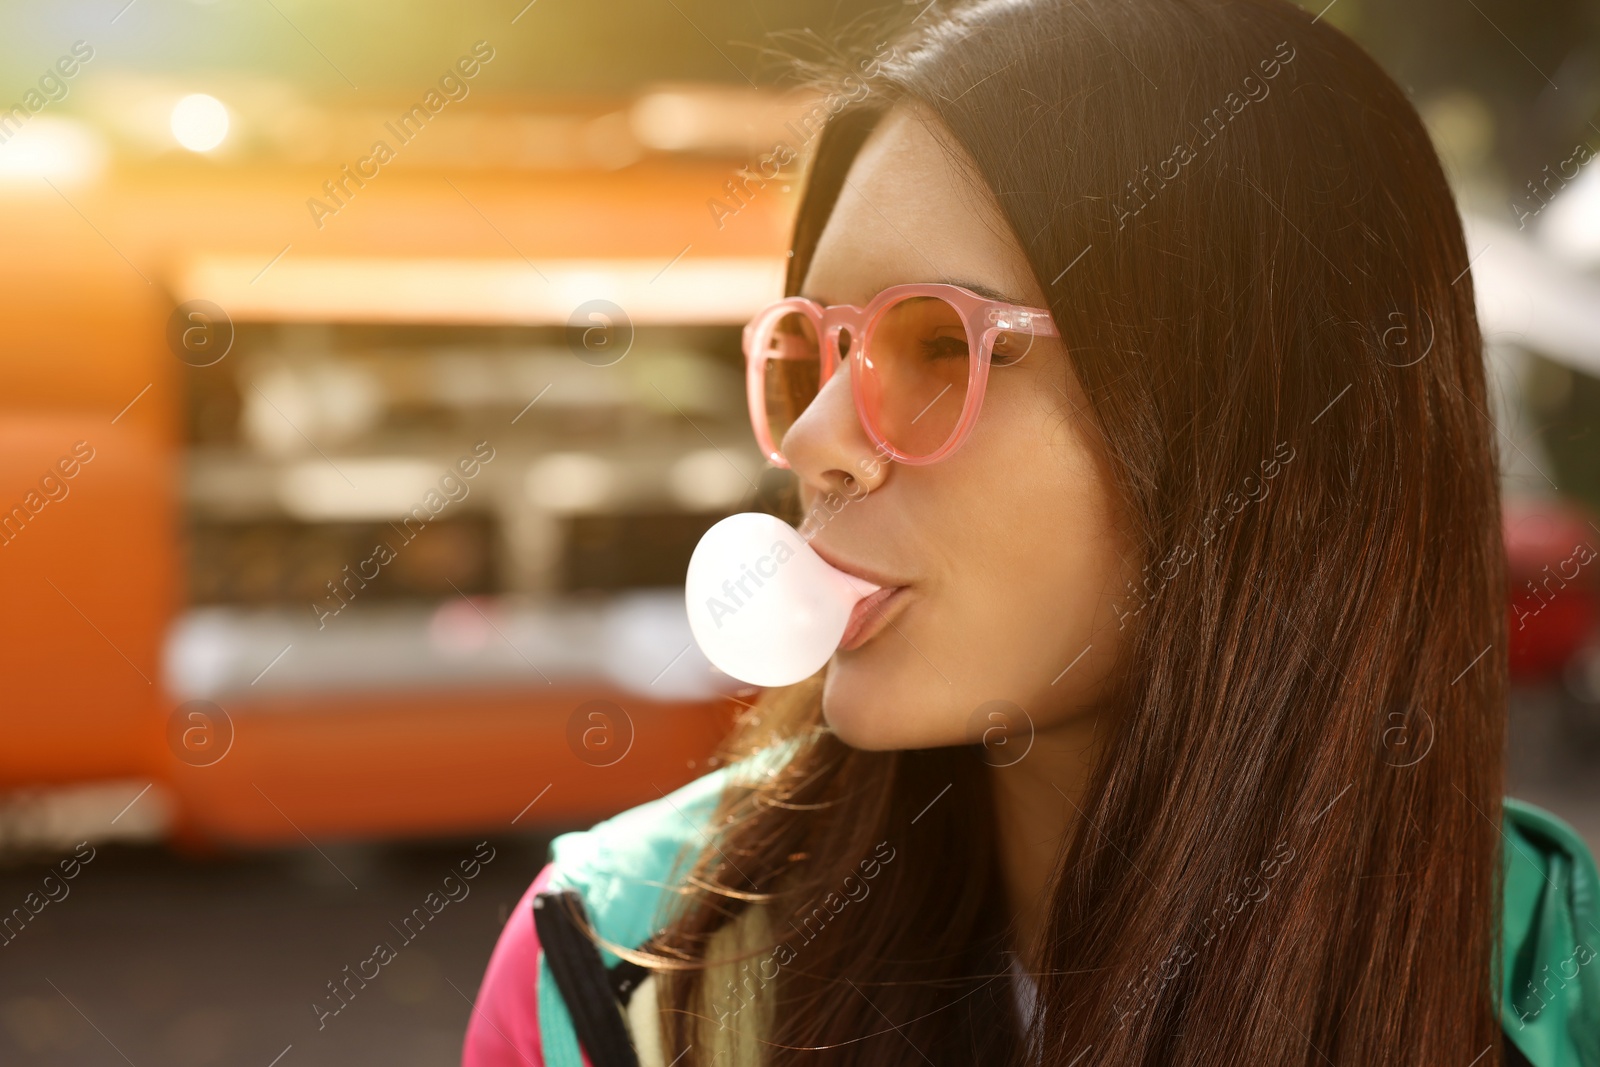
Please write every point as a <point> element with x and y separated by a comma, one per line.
<point>1008,549</point>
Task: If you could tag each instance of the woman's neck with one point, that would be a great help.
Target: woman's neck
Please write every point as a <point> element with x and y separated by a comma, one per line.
<point>1036,804</point>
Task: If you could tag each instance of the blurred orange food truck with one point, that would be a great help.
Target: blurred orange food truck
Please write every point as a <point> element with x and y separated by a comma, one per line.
<point>350,499</point>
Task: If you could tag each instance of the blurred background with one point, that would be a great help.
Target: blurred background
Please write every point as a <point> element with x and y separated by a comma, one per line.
<point>346,491</point>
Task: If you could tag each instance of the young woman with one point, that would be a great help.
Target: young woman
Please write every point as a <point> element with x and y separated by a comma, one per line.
<point>1131,349</point>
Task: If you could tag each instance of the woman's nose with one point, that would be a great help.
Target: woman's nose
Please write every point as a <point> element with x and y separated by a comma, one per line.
<point>828,448</point>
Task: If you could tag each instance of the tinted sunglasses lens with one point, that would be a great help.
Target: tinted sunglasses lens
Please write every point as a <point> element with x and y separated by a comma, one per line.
<point>918,362</point>
<point>792,372</point>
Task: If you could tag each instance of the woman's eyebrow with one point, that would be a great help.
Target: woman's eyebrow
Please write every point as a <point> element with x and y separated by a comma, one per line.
<point>988,292</point>
<point>982,290</point>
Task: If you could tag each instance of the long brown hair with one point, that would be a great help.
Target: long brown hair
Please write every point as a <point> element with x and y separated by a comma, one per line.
<point>1288,850</point>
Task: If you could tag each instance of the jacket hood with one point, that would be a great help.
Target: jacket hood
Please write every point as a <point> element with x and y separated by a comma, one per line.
<point>1549,991</point>
<point>1550,935</point>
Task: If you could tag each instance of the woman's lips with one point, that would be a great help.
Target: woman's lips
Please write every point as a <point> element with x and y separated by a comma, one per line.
<point>869,616</point>
<point>872,611</point>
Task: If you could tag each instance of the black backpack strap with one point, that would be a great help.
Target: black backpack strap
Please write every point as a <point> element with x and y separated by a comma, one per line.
<point>626,977</point>
<point>588,990</point>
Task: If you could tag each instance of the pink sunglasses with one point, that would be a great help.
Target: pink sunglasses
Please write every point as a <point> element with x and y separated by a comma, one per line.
<point>919,363</point>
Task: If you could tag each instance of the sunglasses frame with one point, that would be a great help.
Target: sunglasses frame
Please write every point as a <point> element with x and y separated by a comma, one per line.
<point>983,318</point>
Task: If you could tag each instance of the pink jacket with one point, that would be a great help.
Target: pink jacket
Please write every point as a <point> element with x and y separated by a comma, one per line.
<point>504,1031</point>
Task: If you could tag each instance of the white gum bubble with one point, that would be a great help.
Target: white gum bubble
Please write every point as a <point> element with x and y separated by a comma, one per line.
<point>763,606</point>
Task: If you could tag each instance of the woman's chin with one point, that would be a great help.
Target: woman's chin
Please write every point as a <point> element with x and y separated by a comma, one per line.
<point>867,715</point>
